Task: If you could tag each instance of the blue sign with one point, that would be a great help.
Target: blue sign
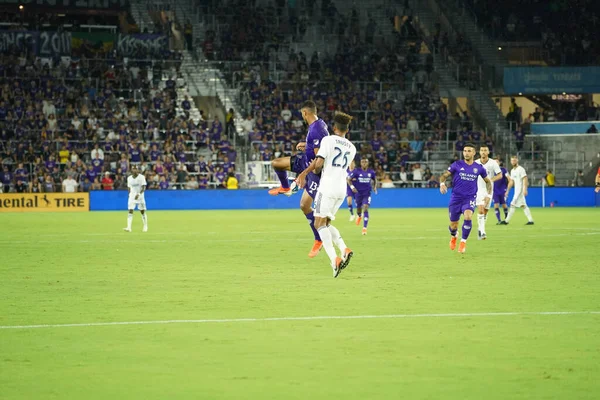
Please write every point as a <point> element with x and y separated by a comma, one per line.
<point>254,199</point>
<point>550,80</point>
<point>563,128</point>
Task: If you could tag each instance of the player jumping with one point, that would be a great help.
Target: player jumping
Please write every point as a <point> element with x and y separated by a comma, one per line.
<point>462,201</point>
<point>136,184</point>
<point>494,173</point>
<point>334,157</point>
<point>362,180</point>
<point>317,130</point>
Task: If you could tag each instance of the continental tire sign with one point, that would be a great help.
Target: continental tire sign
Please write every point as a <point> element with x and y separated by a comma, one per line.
<point>44,202</point>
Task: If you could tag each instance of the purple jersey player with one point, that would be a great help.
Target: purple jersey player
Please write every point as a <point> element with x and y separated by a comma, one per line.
<point>299,163</point>
<point>362,180</point>
<point>464,191</point>
<point>500,187</point>
<point>350,193</point>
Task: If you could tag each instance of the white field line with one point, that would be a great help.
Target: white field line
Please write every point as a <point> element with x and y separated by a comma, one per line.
<point>141,239</point>
<point>310,318</point>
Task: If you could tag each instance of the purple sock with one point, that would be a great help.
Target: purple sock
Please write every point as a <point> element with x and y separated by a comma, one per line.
<point>366,219</point>
<point>452,231</point>
<point>351,209</point>
<point>498,214</point>
<point>466,229</point>
<point>282,175</point>
<point>311,218</point>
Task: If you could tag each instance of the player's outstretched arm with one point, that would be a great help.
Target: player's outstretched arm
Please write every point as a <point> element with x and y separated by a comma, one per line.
<point>443,177</point>
<point>525,185</point>
<point>496,177</point>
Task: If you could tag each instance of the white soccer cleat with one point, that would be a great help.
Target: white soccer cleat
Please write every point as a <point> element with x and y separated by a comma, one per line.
<point>293,187</point>
<point>352,217</point>
<point>127,229</point>
<point>145,229</point>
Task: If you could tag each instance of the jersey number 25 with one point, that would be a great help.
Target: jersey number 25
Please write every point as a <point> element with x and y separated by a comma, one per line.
<point>339,154</point>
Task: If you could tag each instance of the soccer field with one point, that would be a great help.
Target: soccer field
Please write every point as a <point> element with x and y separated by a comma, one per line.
<point>236,310</point>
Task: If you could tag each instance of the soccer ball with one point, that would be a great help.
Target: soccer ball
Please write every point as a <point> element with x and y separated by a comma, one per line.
<point>293,185</point>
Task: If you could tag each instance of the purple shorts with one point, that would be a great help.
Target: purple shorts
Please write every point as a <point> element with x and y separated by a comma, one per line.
<point>349,192</point>
<point>312,184</point>
<point>298,163</point>
<point>363,199</point>
<point>457,207</point>
<point>499,198</point>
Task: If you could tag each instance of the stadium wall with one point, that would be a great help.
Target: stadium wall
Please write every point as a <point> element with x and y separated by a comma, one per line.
<point>260,200</point>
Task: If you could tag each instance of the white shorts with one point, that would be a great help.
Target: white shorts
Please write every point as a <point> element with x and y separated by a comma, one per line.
<point>480,199</point>
<point>327,206</point>
<point>518,201</point>
<point>132,203</point>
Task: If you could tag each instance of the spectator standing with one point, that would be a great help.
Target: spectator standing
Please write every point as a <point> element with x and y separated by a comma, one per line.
<point>69,185</point>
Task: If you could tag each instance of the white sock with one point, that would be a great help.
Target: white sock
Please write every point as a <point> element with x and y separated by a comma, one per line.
<point>337,238</point>
<point>511,212</point>
<point>145,219</point>
<point>129,220</point>
<point>528,214</point>
<point>481,223</point>
<point>325,234</point>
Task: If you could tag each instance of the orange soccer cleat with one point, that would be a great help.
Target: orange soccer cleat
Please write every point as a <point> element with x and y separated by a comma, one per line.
<point>315,249</point>
<point>462,247</point>
<point>452,243</point>
<point>358,219</point>
<point>279,190</point>
<point>364,231</point>
<point>346,257</point>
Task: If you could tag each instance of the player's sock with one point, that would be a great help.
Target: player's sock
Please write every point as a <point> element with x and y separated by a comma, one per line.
<point>453,232</point>
<point>481,223</point>
<point>505,213</point>
<point>528,214</point>
<point>466,229</point>
<point>327,243</point>
<point>337,238</point>
<point>145,220</point>
<point>129,220</point>
<point>282,175</point>
<point>511,212</point>
<point>351,209</point>
<point>497,211</point>
<point>365,219</point>
<point>311,220</point>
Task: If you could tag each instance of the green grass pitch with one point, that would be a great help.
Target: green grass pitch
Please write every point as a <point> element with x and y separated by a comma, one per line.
<point>230,265</point>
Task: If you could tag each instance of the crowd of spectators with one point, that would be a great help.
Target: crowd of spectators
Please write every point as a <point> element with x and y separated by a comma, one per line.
<point>92,119</point>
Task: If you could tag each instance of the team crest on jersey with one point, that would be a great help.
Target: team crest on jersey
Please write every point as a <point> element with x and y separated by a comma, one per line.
<point>475,170</point>
<point>316,141</point>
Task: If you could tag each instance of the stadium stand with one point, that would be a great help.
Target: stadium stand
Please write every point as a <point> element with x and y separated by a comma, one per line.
<point>93,113</point>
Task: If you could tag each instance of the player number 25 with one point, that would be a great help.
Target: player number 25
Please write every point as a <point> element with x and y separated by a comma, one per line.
<point>339,154</point>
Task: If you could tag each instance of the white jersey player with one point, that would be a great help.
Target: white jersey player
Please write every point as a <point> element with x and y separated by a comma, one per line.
<point>484,199</point>
<point>136,184</point>
<point>332,161</point>
<point>521,183</point>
